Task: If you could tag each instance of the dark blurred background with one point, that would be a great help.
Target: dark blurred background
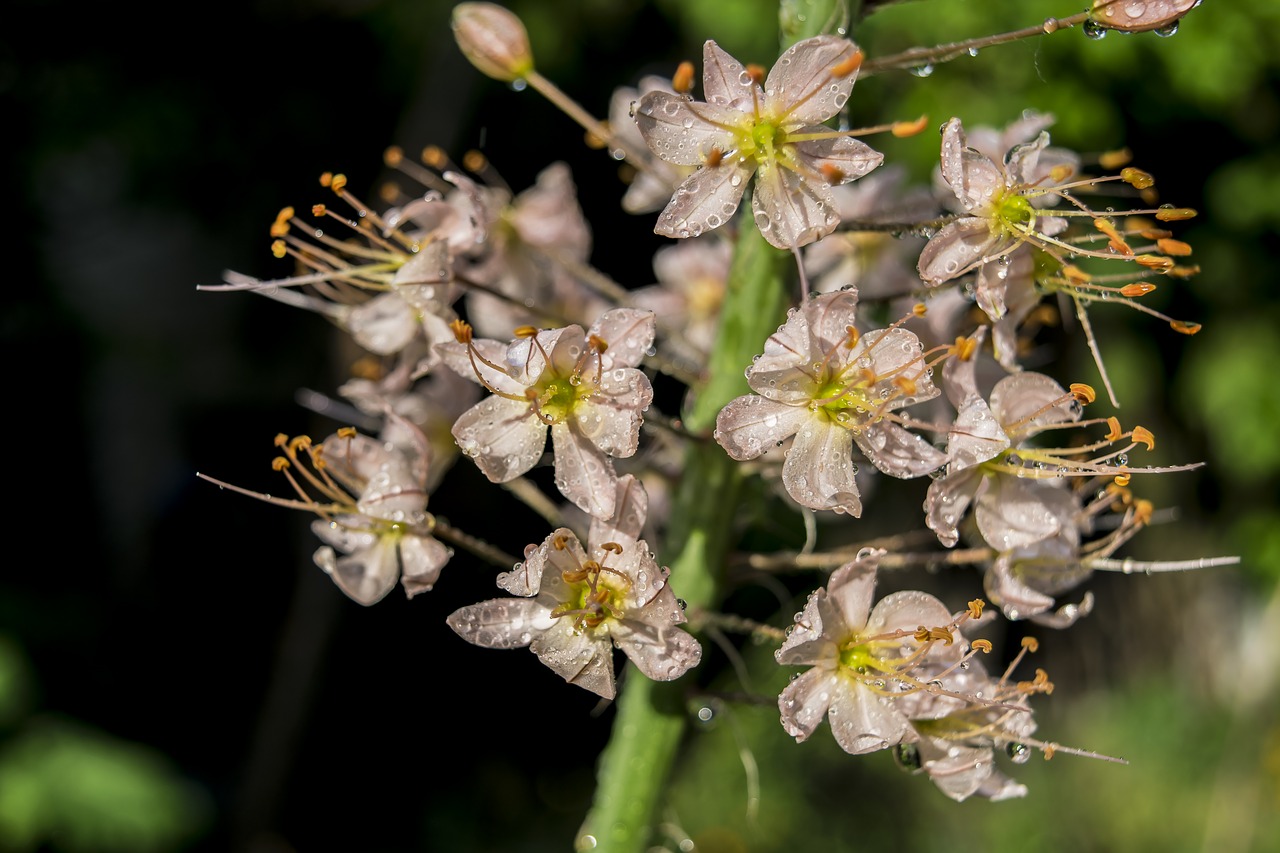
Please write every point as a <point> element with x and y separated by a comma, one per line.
<point>176,674</point>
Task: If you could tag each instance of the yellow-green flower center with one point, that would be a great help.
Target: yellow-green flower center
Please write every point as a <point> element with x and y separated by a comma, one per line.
<point>1015,212</point>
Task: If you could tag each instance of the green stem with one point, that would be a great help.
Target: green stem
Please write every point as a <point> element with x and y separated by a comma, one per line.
<point>651,717</point>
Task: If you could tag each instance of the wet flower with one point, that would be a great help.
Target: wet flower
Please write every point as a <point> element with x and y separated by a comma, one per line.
<point>371,496</point>
<point>831,387</point>
<point>687,298</point>
<point>584,386</point>
<point>774,132</point>
<point>575,604</point>
<point>872,671</point>
<point>997,199</point>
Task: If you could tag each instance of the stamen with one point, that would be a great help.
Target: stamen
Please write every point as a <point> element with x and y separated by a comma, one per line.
<point>682,80</point>
<point>1083,393</point>
<point>1136,178</point>
<point>848,66</point>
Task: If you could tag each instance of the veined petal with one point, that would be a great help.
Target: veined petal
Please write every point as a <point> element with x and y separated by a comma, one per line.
<point>726,83</point>
<point>630,510</point>
<point>910,609</point>
<point>365,576</point>
<point>421,559</point>
<point>956,768</point>
<point>584,473</point>
<point>804,702</point>
<point>384,325</point>
<point>629,333</point>
<point>897,451</point>
<point>504,437</point>
<point>501,623</point>
<point>584,659</point>
<point>974,177</point>
<point>851,588</point>
<point>959,247</point>
<point>705,200</point>
<point>801,87</point>
<point>809,641</point>
<point>1024,402</point>
<point>828,318</point>
<point>457,358</point>
<point>863,722</point>
<point>791,209</point>
<point>661,651</point>
<point>611,418</point>
<point>684,132</point>
<point>848,157</point>
<point>750,425</point>
<point>946,501</point>
<point>1015,513</point>
<point>819,471</point>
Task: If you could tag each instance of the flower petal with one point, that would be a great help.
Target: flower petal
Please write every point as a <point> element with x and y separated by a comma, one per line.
<point>1024,402</point>
<point>960,247</point>
<point>819,471</point>
<point>421,559</point>
<point>584,473</point>
<point>683,132</point>
<point>850,158</point>
<point>1015,513</point>
<point>863,722</point>
<point>366,575</point>
<point>584,659</point>
<point>705,200</point>
<point>751,424</point>
<point>501,623</point>
<point>630,509</point>
<point>629,334</point>
<point>503,436</point>
<point>801,87</point>
<point>898,452</point>
<point>974,177</point>
<point>792,209</point>
<point>725,82</point>
<point>804,702</point>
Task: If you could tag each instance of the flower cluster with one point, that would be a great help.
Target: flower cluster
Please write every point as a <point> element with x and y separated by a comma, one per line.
<point>485,327</point>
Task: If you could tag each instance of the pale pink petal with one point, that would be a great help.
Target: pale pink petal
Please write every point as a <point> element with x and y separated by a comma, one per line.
<point>366,575</point>
<point>750,425</point>
<point>910,609</point>
<point>458,358</point>
<point>829,318</point>
<point>629,334</point>
<point>819,471</point>
<point>502,623</point>
<point>705,200</point>
<point>809,639</point>
<point>801,89</point>
<point>547,215</point>
<point>584,473</point>
<point>895,353</point>
<point>584,659</point>
<point>898,452</point>
<point>421,559</point>
<point>684,132</point>
<point>1015,513</point>
<point>630,510</point>
<point>383,325</point>
<point>611,419</point>
<point>958,769</point>
<point>347,533</point>
<point>863,722</point>
<point>960,247</point>
<point>726,83</point>
<point>849,157</point>
<point>504,437</point>
<point>1006,590</point>
<point>791,209</point>
<point>975,178</point>
<point>851,589</point>
<point>654,644</point>
<point>1025,401</point>
<point>946,501</point>
<point>804,702</point>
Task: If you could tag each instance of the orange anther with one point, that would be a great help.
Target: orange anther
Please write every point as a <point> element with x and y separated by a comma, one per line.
<point>903,129</point>
<point>318,210</point>
<point>1174,214</point>
<point>832,174</point>
<point>1184,327</point>
<point>1115,159</point>
<point>756,73</point>
<point>1174,247</point>
<point>1114,431</point>
<point>1142,435</point>
<point>1136,178</point>
<point>850,65</point>
<point>1082,392</point>
<point>393,156</point>
<point>682,80</point>
<point>1138,288</point>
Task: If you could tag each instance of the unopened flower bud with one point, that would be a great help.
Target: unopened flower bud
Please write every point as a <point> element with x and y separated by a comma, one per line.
<point>1132,17</point>
<point>493,40</point>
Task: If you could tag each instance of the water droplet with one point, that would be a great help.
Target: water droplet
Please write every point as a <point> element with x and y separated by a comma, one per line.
<point>1018,753</point>
<point>907,756</point>
<point>1093,30</point>
<point>519,84</point>
<point>922,70</point>
<point>1167,30</point>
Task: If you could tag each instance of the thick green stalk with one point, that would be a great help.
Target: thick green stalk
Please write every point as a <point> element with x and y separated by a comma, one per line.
<point>651,716</point>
